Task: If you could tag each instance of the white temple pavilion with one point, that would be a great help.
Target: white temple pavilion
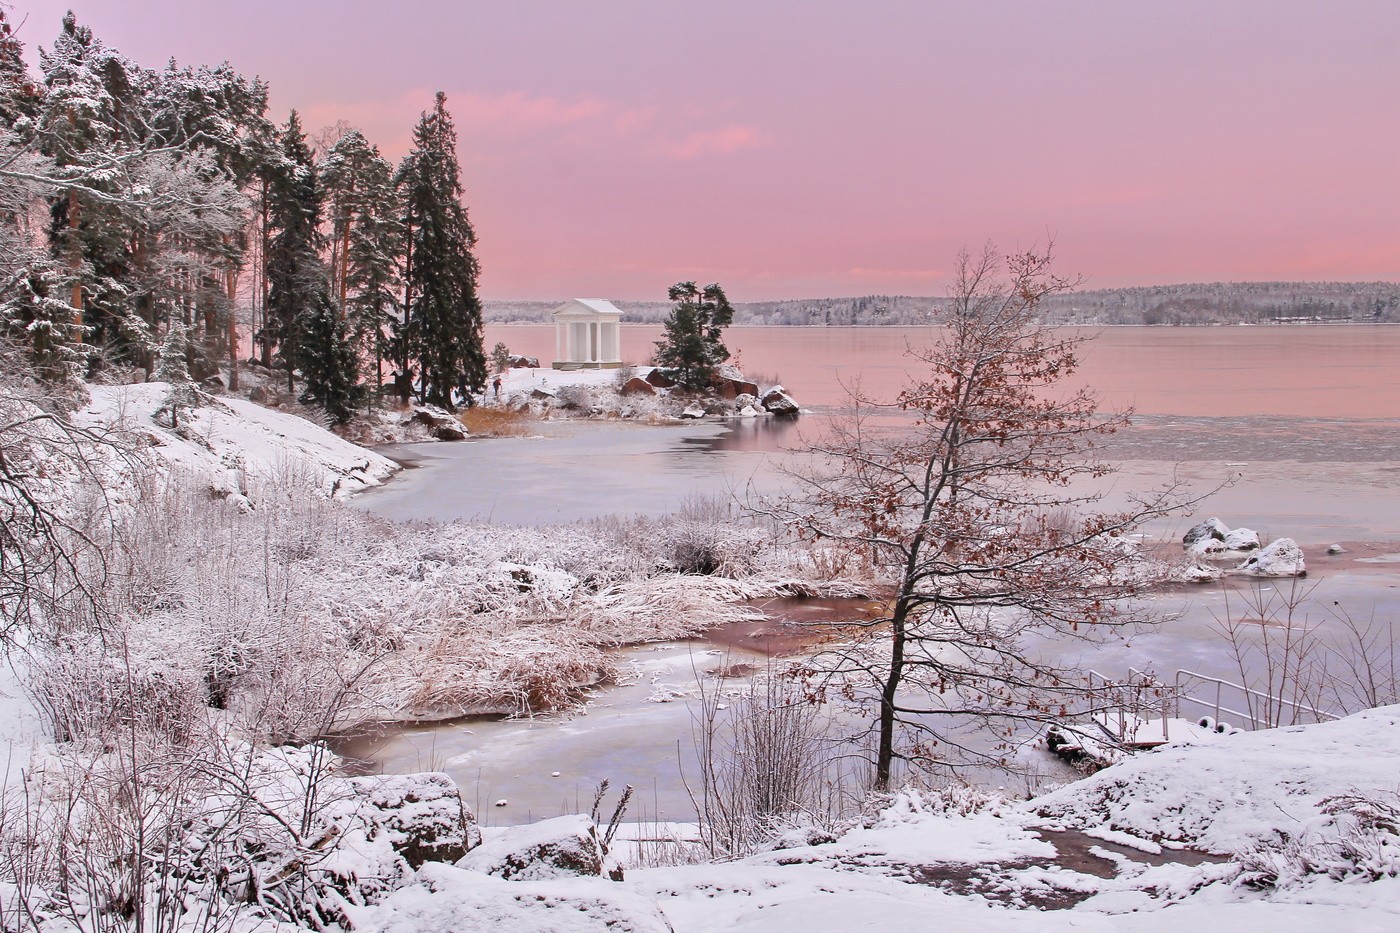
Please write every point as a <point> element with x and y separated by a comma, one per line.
<point>586,335</point>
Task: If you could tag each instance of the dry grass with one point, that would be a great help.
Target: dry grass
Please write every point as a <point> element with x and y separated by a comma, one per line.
<point>484,421</point>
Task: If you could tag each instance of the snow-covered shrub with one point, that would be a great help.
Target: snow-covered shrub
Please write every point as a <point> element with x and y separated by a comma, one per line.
<point>165,838</point>
<point>575,398</point>
<point>88,691</point>
<point>1359,841</point>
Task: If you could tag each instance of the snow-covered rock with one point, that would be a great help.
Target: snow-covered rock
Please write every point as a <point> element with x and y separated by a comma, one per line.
<point>1241,539</point>
<point>1206,547</point>
<point>746,400</point>
<point>1282,558</point>
<point>776,401</point>
<point>732,387</point>
<point>1210,528</point>
<point>557,848</point>
<point>693,412</point>
<point>1200,573</point>
<point>1335,549</point>
<point>748,411</point>
<point>638,386</point>
<point>442,424</point>
<point>423,815</point>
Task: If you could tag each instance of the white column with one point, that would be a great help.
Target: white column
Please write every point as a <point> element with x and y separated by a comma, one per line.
<point>558,349</point>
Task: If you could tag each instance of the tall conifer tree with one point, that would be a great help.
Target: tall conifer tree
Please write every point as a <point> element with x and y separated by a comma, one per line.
<point>301,313</point>
<point>442,323</point>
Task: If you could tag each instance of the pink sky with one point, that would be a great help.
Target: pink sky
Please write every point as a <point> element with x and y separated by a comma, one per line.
<point>827,147</point>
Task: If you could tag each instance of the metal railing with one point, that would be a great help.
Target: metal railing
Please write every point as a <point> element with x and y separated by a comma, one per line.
<point>1139,710</point>
<point>1261,710</point>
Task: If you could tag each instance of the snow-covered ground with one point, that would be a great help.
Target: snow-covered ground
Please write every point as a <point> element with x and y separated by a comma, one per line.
<point>1119,851</point>
<point>233,442</point>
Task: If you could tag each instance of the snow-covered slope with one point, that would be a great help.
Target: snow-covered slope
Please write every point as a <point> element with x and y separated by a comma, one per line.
<point>235,443</point>
<point>949,863</point>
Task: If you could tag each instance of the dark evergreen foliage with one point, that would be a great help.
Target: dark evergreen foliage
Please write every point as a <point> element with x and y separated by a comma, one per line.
<point>367,243</point>
<point>692,346</point>
<point>328,362</point>
<point>441,333</point>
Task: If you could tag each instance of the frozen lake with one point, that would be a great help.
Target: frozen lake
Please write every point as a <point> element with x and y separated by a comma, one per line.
<point>1303,421</point>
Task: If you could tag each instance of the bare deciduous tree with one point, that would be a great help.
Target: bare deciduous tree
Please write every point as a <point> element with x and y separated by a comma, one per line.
<point>961,494</point>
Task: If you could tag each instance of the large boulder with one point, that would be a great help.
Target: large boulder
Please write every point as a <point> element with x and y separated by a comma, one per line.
<point>1206,547</point>
<point>422,815</point>
<point>440,423</point>
<point>659,379</point>
<point>693,411</point>
<point>557,848</point>
<point>1242,539</point>
<point>430,416</point>
<point>1210,528</point>
<point>524,362</point>
<point>733,388</point>
<point>1282,558</point>
<point>449,432</point>
<point>776,401</point>
<point>638,386</point>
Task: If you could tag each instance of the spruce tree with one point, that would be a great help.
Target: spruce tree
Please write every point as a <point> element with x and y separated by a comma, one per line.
<point>301,313</point>
<point>442,327</point>
<point>329,364</point>
<point>172,367</point>
<point>367,234</point>
<point>692,345</point>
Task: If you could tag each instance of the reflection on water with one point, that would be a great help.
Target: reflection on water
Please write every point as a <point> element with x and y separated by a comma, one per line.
<point>750,435</point>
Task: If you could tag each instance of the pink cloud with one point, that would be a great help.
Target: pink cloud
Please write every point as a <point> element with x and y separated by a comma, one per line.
<point>722,141</point>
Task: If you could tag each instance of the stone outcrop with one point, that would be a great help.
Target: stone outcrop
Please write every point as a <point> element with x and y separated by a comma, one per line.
<point>637,386</point>
<point>731,389</point>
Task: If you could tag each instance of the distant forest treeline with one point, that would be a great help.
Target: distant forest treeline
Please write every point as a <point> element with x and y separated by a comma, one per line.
<point>1214,303</point>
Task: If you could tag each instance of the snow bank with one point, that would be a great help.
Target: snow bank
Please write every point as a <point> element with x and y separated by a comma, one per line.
<point>235,443</point>
<point>1228,793</point>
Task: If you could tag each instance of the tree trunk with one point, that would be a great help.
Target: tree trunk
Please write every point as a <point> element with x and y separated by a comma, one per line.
<point>231,283</point>
<point>884,755</point>
<point>75,262</point>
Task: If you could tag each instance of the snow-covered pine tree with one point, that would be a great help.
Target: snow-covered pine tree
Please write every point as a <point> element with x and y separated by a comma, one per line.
<point>442,326</point>
<point>220,112</point>
<point>296,275</point>
<point>330,367</point>
<point>368,233</point>
<point>172,366</point>
<point>35,316</point>
<point>90,122</point>
<point>19,97</point>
